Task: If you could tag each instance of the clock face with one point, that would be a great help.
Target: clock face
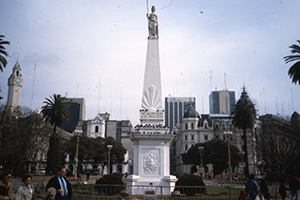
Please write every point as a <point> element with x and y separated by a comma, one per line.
<point>18,80</point>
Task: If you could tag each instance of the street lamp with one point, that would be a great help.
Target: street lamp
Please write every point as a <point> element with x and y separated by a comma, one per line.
<point>201,148</point>
<point>109,147</point>
<point>228,136</point>
<point>77,132</point>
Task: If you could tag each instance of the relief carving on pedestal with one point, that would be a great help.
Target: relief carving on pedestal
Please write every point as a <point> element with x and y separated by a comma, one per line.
<point>151,163</point>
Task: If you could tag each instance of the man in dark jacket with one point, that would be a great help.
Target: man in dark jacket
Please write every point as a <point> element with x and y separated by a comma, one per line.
<point>62,186</point>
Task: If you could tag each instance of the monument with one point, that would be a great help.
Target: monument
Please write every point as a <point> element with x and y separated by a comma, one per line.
<point>151,139</point>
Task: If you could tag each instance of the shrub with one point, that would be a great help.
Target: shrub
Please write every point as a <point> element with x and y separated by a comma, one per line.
<point>190,180</point>
<point>106,184</point>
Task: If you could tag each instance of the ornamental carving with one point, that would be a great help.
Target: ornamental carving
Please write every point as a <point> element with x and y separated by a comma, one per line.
<point>152,99</point>
<point>150,163</point>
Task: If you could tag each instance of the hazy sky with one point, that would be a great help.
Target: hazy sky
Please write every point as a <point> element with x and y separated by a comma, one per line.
<point>80,45</point>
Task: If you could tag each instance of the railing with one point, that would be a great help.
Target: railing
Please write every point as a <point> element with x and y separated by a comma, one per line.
<point>103,192</point>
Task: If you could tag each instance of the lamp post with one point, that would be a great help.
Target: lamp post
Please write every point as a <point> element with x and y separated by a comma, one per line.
<point>201,148</point>
<point>109,147</point>
<point>77,132</point>
<point>228,136</point>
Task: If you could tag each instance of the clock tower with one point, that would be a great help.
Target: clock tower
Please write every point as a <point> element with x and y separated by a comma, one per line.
<point>15,83</point>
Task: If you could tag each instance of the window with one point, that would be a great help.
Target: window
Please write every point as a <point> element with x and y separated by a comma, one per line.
<point>185,137</point>
<point>192,125</point>
<point>205,137</point>
<point>186,147</point>
<point>186,126</point>
<point>96,129</point>
<point>192,137</point>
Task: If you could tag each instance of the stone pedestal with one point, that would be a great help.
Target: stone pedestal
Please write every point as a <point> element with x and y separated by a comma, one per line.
<point>151,164</point>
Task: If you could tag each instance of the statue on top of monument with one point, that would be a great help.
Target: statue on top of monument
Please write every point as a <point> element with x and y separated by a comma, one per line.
<point>152,24</point>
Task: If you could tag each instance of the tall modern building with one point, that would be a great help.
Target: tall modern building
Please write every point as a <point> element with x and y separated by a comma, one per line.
<point>175,108</point>
<point>77,107</point>
<point>221,102</point>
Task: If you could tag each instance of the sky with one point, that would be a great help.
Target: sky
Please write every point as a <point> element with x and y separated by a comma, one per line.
<point>96,49</point>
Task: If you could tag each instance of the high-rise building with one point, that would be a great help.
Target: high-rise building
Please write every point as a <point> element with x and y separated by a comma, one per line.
<point>77,107</point>
<point>175,108</point>
<point>221,102</point>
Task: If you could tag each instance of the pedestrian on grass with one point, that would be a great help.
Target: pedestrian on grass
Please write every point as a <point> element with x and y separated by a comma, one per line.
<point>251,187</point>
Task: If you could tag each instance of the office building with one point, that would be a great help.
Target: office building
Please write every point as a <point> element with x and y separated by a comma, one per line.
<point>175,108</point>
<point>221,102</point>
<point>77,107</point>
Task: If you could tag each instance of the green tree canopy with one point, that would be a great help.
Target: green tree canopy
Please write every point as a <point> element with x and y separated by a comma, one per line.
<point>94,150</point>
<point>55,110</point>
<point>3,53</point>
<point>294,71</point>
<point>215,152</point>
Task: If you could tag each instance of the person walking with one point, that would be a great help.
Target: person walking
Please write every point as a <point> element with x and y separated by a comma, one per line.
<point>251,187</point>
<point>5,178</point>
<point>26,190</point>
<point>282,190</point>
<point>294,184</point>
<point>62,186</point>
<point>263,189</point>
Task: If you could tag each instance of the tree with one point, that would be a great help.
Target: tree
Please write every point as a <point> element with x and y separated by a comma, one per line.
<point>279,146</point>
<point>54,111</point>
<point>94,150</point>
<point>90,150</point>
<point>117,152</point>
<point>53,155</point>
<point>3,53</point>
<point>215,153</point>
<point>23,137</point>
<point>244,116</point>
<point>294,71</point>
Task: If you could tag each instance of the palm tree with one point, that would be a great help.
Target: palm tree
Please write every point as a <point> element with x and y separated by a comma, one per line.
<point>244,116</point>
<point>294,71</point>
<point>3,53</point>
<point>56,109</point>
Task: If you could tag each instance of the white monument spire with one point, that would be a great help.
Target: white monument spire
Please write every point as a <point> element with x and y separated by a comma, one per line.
<point>152,109</point>
<point>151,139</point>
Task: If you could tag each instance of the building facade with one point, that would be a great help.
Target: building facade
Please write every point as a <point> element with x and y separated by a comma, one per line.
<point>77,107</point>
<point>221,102</point>
<point>197,128</point>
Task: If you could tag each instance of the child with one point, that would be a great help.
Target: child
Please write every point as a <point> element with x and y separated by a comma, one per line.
<point>242,196</point>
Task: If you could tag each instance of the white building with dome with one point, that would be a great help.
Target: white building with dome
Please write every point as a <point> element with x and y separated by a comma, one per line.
<point>197,128</point>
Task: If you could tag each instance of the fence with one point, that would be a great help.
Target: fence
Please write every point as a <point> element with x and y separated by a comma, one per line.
<point>110,192</point>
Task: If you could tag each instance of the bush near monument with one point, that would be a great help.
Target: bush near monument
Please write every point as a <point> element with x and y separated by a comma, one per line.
<point>107,181</point>
<point>190,180</point>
